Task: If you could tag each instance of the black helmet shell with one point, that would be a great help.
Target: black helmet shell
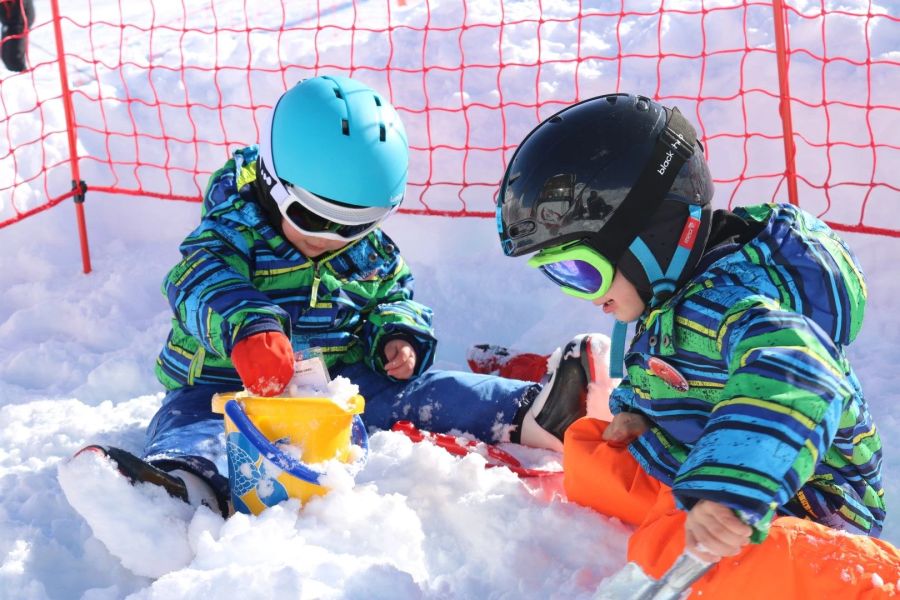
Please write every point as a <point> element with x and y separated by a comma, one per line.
<point>573,171</point>
<point>598,171</point>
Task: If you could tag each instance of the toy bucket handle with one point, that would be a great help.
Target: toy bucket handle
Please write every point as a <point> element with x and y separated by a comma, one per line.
<point>283,461</point>
<point>359,437</point>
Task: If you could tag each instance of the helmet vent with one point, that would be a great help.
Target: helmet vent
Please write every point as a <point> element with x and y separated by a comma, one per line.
<point>337,93</point>
<point>522,228</point>
<point>382,132</point>
<point>345,126</point>
<point>377,101</point>
<point>554,119</point>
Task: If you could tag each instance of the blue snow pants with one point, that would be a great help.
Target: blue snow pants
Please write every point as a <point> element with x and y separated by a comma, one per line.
<point>185,433</point>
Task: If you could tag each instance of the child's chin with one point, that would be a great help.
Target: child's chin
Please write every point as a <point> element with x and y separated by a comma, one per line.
<point>312,252</point>
<point>626,316</point>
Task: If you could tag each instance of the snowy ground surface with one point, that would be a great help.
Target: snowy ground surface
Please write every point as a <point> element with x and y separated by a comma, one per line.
<point>76,356</point>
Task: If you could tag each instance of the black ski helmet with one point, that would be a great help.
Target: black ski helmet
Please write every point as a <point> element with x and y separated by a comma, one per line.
<point>611,171</point>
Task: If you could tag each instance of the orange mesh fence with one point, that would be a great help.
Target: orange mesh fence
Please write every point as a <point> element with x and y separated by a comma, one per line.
<point>138,98</point>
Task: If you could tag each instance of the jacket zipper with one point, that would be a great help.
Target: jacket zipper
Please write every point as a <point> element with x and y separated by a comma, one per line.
<point>196,366</point>
<point>314,293</point>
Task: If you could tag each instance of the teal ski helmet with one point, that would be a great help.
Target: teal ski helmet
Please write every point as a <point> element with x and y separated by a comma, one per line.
<point>334,157</point>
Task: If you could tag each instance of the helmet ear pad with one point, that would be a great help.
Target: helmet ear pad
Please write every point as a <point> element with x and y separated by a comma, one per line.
<point>661,236</point>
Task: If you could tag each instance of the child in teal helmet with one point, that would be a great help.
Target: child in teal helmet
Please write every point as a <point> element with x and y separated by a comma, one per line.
<point>289,256</point>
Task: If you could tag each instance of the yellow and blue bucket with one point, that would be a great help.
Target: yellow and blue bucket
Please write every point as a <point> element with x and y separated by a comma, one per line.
<point>271,443</point>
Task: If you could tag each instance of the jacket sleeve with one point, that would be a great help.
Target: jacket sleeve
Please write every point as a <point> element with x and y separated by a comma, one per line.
<point>780,411</point>
<point>211,294</point>
<point>397,315</point>
<point>622,398</point>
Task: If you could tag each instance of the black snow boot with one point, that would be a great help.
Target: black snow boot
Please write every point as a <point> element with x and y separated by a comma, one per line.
<point>179,482</point>
<point>563,399</point>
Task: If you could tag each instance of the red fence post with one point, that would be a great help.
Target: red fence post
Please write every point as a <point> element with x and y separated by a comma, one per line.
<point>78,185</point>
<point>784,104</point>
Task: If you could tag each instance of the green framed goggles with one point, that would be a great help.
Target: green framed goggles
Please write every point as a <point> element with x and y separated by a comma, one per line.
<point>577,268</point>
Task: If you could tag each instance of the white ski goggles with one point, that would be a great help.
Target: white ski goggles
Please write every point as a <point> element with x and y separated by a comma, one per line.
<point>300,206</point>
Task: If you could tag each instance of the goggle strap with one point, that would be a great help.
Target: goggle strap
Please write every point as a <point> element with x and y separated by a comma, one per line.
<point>270,180</point>
<point>617,350</point>
<point>273,185</point>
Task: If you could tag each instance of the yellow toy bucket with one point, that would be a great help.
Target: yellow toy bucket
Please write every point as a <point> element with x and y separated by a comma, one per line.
<point>272,441</point>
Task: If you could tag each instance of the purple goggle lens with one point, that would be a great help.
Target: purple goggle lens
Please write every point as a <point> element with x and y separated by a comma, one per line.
<point>576,274</point>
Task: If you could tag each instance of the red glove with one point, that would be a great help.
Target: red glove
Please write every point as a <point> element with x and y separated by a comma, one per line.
<point>265,362</point>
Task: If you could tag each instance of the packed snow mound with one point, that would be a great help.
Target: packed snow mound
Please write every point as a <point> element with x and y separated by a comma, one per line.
<point>139,524</point>
<point>416,522</point>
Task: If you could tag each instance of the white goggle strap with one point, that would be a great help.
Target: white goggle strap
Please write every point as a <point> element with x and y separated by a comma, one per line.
<point>293,196</point>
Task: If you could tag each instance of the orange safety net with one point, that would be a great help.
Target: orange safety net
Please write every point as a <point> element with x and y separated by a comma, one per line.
<point>148,98</point>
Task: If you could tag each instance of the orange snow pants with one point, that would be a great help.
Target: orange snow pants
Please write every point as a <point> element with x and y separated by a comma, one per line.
<point>799,558</point>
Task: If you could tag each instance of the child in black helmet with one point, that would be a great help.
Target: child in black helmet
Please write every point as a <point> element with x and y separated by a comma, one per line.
<point>739,404</point>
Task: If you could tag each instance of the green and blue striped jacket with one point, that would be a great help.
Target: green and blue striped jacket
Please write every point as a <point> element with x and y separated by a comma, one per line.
<point>240,276</point>
<point>773,419</point>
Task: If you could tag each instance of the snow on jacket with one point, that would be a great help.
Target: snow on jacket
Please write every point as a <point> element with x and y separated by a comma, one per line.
<point>240,276</point>
<point>773,418</point>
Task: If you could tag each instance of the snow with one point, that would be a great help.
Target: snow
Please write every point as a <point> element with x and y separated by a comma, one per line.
<point>157,525</point>
<point>76,367</point>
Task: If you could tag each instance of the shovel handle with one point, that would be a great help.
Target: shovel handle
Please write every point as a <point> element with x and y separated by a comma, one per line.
<point>632,583</point>
<point>687,569</point>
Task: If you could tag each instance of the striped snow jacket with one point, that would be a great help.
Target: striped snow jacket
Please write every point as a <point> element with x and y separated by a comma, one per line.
<point>239,276</point>
<point>772,419</point>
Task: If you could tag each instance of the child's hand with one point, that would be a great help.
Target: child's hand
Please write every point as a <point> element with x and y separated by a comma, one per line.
<point>625,428</point>
<point>401,359</point>
<point>712,531</point>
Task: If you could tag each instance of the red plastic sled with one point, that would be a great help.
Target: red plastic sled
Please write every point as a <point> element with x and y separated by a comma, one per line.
<point>547,483</point>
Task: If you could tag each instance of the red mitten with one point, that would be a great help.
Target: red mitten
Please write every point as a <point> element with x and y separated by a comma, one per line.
<point>265,362</point>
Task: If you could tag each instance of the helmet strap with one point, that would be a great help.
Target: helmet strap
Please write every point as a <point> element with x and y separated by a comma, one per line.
<point>663,284</point>
<point>617,350</point>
